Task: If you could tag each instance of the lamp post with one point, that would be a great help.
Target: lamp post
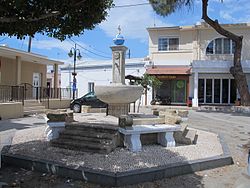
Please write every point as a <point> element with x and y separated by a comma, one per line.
<point>71,53</point>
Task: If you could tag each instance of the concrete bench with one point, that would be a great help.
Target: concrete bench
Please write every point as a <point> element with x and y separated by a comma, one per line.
<point>53,130</point>
<point>164,135</point>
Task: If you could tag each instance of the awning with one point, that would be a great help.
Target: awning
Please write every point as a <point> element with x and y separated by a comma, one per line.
<point>169,70</point>
<point>11,53</point>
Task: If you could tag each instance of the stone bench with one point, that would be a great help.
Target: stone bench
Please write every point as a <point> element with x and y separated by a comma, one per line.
<point>53,130</point>
<point>164,135</point>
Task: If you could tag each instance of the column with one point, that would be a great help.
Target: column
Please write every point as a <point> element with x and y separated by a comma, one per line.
<point>19,70</point>
<point>55,75</point>
<point>56,80</point>
<point>195,99</point>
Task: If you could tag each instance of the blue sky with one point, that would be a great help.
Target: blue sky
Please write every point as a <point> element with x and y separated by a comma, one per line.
<point>133,21</point>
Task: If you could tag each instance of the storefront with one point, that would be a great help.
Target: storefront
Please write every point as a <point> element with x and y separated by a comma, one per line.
<point>216,91</point>
<point>212,84</point>
<point>175,84</point>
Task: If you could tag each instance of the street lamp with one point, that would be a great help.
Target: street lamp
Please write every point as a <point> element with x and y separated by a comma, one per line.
<point>71,53</point>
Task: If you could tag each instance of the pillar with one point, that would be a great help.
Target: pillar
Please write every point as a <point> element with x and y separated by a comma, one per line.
<point>56,81</point>
<point>55,75</point>
<point>19,70</point>
<point>195,99</point>
<point>118,70</point>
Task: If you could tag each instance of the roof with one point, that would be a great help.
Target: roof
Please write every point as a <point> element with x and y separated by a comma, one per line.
<point>169,70</point>
<point>105,64</point>
<point>27,56</point>
<point>201,25</point>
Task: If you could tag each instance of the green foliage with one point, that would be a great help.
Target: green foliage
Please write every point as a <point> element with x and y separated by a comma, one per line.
<point>167,7</point>
<point>55,18</point>
<point>148,80</point>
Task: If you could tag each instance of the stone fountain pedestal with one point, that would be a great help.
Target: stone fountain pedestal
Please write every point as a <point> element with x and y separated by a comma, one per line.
<point>118,109</point>
<point>117,95</point>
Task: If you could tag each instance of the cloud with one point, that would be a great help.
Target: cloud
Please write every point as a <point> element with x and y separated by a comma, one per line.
<point>133,20</point>
<point>236,11</point>
<point>49,44</point>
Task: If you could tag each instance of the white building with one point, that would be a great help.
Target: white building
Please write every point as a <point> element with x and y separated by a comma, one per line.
<point>94,73</point>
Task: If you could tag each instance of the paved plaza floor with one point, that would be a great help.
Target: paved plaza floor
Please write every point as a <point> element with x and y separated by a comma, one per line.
<point>235,128</point>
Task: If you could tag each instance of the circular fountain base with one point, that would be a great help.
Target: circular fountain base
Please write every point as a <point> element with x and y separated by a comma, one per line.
<point>118,109</point>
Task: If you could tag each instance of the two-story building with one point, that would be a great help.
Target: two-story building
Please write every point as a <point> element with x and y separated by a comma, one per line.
<point>194,62</point>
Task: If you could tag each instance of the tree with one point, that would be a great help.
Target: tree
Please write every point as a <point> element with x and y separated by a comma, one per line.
<point>55,18</point>
<point>147,81</point>
<point>166,7</point>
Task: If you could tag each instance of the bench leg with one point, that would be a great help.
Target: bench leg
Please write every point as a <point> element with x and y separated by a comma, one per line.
<point>133,142</point>
<point>166,139</point>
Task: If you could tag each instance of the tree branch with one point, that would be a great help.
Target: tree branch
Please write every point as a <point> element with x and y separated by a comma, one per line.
<point>42,17</point>
<point>216,25</point>
<point>79,3</point>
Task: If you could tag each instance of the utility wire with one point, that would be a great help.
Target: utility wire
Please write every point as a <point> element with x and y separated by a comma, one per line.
<point>73,43</point>
<point>3,39</point>
<point>131,5</point>
<point>90,50</point>
<point>98,50</point>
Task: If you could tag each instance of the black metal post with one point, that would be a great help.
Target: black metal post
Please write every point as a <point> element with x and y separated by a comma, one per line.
<point>74,74</point>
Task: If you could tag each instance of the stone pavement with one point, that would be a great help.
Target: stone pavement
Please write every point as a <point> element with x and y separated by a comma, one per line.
<point>22,123</point>
<point>235,128</point>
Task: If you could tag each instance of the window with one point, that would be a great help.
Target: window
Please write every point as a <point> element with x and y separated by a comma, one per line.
<point>221,46</point>
<point>168,44</point>
<point>91,86</point>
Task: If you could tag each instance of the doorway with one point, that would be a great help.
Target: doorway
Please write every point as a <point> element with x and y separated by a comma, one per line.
<point>36,85</point>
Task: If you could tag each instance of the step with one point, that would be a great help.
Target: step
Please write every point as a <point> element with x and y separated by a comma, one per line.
<point>82,149</point>
<point>90,134</point>
<point>83,146</point>
<point>87,144</point>
<point>87,139</point>
<point>93,126</point>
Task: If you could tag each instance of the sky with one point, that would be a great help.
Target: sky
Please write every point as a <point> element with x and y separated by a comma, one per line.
<point>95,44</point>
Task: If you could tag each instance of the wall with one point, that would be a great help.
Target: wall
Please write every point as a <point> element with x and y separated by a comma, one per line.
<point>193,44</point>
<point>11,110</point>
<point>29,68</point>
<point>183,56</point>
<point>9,72</point>
<point>207,35</point>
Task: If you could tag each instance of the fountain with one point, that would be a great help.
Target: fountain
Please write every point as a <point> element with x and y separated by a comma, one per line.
<point>118,95</point>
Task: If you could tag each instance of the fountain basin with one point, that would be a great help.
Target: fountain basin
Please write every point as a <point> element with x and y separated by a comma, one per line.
<point>118,94</point>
